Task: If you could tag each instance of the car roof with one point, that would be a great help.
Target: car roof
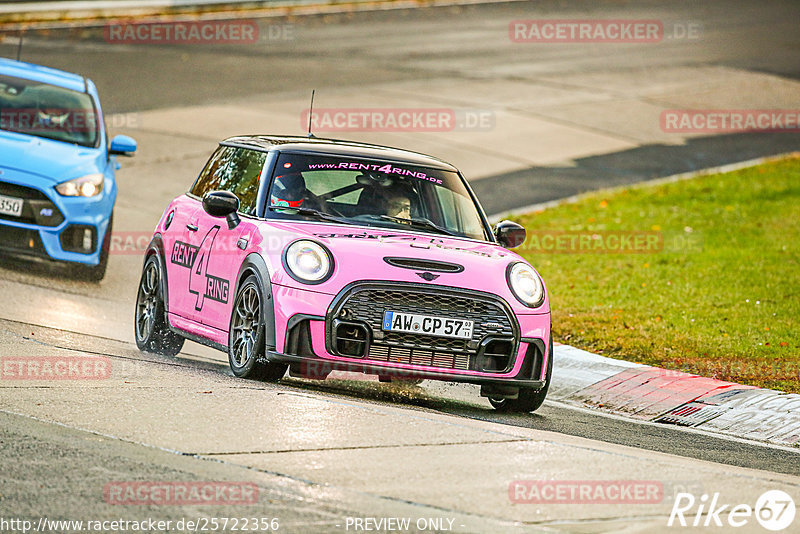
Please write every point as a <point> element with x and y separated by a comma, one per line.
<point>337,147</point>
<point>40,73</point>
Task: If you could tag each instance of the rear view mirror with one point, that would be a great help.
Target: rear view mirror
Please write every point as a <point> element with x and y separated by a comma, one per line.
<point>222,204</point>
<point>509,234</point>
<point>122,145</point>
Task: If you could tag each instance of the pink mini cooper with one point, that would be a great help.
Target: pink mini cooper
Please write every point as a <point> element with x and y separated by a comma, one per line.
<point>318,255</point>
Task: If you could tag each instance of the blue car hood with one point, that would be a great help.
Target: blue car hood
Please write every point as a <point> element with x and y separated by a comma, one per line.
<point>53,160</point>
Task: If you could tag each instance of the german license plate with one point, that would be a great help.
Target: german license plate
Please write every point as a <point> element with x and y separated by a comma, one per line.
<point>428,325</point>
<point>10,206</point>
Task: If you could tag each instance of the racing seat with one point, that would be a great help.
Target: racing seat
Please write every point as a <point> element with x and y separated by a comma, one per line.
<point>370,201</point>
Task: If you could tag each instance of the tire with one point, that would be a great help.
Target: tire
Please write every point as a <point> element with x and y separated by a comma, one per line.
<point>95,273</point>
<point>150,327</point>
<point>529,400</point>
<point>246,336</point>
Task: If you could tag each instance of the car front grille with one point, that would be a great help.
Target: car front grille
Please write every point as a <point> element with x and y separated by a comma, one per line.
<point>415,356</point>
<point>21,240</point>
<point>422,341</point>
<point>37,208</point>
<point>366,303</point>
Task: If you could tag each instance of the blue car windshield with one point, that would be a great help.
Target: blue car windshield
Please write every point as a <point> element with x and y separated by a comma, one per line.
<point>49,111</point>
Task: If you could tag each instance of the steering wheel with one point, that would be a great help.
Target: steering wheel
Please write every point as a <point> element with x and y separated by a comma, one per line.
<point>319,205</point>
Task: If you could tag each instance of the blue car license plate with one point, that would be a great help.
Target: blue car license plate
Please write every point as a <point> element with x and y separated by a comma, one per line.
<point>10,206</point>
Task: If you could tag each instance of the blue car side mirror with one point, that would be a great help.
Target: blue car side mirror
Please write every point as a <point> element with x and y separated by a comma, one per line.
<point>122,145</point>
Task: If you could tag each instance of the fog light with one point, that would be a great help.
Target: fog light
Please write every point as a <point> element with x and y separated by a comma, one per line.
<point>79,238</point>
<point>87,239</point>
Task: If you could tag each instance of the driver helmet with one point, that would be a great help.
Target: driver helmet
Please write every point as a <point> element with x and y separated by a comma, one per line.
<point>288,190</point>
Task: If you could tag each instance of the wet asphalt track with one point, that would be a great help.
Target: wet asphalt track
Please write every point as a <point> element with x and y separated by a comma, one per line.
<point>352,50</point>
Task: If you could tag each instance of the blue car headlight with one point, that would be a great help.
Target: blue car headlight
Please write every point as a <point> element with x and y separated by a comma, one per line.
<point>308,262</point>
<point>525,284</point>
<point>85,186</point>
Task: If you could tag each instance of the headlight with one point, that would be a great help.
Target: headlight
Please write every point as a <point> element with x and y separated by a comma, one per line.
<point>308,262</point>
<point>525,284</point>
<point>85,186</point>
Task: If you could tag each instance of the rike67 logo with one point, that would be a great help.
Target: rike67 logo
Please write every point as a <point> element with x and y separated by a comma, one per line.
<point>774,510</point>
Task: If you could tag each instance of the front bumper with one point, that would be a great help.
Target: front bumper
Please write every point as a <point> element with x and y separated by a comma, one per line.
<point>316,367</point>
<point>308,341</point>
<point>54,227</point>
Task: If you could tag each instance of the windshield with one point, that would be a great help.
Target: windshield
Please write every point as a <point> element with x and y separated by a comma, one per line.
<point>373,193</point>
<point>45,110</point>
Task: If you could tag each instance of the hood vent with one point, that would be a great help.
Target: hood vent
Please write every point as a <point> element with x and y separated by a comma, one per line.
<point>424,265</point>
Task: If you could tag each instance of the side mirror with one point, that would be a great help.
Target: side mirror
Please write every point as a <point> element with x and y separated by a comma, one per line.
<point>122,145</point>
<point>222,204</point>
<point>509,234</point>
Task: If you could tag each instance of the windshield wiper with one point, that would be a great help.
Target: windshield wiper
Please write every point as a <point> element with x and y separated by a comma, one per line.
<point>310,212</point>
<point>419,223</point>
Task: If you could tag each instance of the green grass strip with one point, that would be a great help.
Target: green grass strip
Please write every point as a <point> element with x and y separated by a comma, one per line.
<point>701,275</point>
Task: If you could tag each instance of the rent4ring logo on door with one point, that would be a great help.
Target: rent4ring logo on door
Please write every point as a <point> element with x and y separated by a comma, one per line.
<point>196,259</point>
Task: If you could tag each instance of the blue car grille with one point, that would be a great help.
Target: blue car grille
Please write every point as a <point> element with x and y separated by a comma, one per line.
<point>37,208</point>
<point>21,241</point>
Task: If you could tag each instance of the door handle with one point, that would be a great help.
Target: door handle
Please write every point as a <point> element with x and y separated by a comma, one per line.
<point>191,227</point>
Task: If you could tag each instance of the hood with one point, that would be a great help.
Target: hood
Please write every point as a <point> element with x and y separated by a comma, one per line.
<point>52,160</point>
<point>361,254</point>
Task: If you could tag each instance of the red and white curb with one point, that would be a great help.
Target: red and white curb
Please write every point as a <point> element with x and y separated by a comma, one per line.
<point>674,397</point>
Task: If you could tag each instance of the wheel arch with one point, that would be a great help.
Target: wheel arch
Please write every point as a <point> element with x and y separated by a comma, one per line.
<point>255,265</point>
<point>156,248</point>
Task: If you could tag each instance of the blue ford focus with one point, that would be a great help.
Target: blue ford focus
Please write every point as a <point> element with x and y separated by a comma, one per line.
<point>57,165</point>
